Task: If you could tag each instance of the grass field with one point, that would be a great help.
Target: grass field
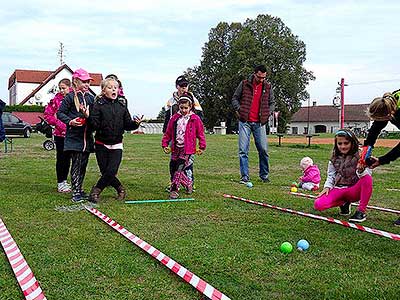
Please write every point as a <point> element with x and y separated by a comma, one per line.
<point>232,245</point>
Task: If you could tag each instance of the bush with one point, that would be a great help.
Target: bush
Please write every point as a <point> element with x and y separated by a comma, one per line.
<point>25,108</point>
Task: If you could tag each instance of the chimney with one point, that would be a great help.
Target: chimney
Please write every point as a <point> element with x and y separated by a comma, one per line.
<point>314,103</point>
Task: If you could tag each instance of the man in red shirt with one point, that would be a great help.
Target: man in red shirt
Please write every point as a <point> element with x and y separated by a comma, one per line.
<point>253,102</point>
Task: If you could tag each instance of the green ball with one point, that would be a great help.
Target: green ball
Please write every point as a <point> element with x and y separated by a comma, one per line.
<point>286,247</point>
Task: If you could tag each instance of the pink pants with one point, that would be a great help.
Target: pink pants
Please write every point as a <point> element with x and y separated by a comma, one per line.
<point>361,191</point>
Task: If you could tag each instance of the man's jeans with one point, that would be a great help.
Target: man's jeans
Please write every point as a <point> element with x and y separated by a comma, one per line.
<point>260,138</point>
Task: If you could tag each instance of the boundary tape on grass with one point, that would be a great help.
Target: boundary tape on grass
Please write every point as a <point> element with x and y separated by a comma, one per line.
<point>189,277</point>
<point>23,273</point>
<point>390,210</point>
<point>389,235</point>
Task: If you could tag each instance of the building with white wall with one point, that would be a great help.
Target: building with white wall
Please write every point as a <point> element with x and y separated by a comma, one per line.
<point>325,119</point>
<point>33,87</point>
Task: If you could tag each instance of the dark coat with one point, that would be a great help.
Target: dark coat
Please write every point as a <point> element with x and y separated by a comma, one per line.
<point>77,138</point>
<point>110,118</point>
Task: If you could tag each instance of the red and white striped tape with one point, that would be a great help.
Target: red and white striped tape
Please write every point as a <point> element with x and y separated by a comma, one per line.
<point>198,283</point>
<point>26,280</point>
<point>354,204</point>
<point>389,235</point>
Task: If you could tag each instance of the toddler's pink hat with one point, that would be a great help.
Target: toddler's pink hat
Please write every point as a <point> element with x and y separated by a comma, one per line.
<point>82,75</point>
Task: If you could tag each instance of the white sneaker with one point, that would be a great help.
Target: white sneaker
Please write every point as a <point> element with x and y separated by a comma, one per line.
<point>63,187</point>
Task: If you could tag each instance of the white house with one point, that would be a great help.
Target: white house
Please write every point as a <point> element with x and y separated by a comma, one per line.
<point>325,119</point>
<point>32,87</point>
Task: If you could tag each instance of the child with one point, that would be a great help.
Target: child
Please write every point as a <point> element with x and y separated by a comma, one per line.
<point>383,110</point>
<point>171,107</point>
<point>182,131</point>
<point>109,118</point>
<point>73,112</point>
<point>311,175</point>
<point>63,159</point>
<point>345,184</point>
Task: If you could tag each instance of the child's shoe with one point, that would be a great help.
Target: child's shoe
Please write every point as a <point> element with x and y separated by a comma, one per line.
<point>359,216</point>
<point>189,189</point>
<point>173,195</point>
<point>121,193</point>
<point>315,188</point>
<point>77,198</point>
<point>397,222</point>
<point>345,209</point>
<point>63,187</point>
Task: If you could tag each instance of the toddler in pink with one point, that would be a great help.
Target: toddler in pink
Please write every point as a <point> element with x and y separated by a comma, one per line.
<point>311,175</point>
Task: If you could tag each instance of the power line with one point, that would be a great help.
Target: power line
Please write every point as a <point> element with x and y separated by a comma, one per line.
<point>376,81</point>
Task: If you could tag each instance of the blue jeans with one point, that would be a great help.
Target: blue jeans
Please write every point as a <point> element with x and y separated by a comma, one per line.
<point>260,138</point>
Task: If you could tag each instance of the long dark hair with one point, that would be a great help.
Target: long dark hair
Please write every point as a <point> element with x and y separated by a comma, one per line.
<point>349,135</point>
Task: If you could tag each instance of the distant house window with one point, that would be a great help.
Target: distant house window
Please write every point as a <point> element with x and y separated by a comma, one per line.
<point>320,129</point>
<point>294,130</point>
<point>305,130</point>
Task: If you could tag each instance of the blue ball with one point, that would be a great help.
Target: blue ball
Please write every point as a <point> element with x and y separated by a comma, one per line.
<point>249,184</point>
<point>303,245</point>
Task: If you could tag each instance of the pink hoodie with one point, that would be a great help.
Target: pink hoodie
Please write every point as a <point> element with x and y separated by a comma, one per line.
<point>311,174</point>
<point>50,115</point>
<point>194,129</point>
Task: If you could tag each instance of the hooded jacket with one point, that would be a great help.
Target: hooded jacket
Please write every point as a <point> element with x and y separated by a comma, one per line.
<point>194,130</point>
<point>50,115</point>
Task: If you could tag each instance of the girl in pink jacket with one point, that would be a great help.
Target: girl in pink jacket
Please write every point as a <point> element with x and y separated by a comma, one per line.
<point>311,175</point>
<point>183,130</point>
<point>63,159</point>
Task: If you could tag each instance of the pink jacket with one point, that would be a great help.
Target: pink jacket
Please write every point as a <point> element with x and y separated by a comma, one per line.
<point>194,130</point>
<point>311,174</point>
<point>50,115</point>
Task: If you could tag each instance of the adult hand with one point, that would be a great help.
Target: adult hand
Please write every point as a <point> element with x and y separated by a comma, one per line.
<point>375,162</point>
<point>325,191</point>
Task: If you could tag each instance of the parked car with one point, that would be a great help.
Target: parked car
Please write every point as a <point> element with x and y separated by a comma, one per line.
<point>15,126</point>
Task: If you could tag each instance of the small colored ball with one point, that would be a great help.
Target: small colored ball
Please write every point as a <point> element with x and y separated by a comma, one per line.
<point>286,247</point>
<point>249,184</point>
<point>303,245</point>
<point>293,189</point>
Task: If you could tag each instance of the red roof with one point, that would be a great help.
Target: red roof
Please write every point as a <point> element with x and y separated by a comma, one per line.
<point>97,78</point>
<point>35,76</point>
<point>329,113</point>
<point>29,117</point>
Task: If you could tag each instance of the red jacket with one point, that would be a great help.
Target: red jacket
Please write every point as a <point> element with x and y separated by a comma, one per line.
<point>50,115</point>
<point>194,130</point>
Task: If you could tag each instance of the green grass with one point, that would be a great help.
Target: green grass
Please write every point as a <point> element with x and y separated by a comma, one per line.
<point>232,245</point>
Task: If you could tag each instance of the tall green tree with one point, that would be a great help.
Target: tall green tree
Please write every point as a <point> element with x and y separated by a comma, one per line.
<point>230,55</point>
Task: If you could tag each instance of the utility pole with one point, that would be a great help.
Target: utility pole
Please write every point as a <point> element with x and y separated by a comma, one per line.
<point>61,53</point>
<point>342,102</point>
<point>308,117</point>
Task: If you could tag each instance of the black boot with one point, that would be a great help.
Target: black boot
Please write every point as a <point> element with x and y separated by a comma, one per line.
<point>121,193</point>
<point>94,196</point>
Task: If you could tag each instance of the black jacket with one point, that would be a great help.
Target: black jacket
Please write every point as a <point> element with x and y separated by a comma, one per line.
<point>110,118</point>
<point>374,132</point>
<point>77,138</point>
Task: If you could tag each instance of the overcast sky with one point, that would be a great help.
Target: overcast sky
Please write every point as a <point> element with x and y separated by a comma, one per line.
<point>149,44</point>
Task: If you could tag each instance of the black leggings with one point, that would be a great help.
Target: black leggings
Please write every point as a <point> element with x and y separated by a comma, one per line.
<point>108,162</point>
<point>63,159</point>
<point>78,170</point>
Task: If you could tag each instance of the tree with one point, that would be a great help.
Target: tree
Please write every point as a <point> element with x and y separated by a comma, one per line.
<point>230,56</point>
